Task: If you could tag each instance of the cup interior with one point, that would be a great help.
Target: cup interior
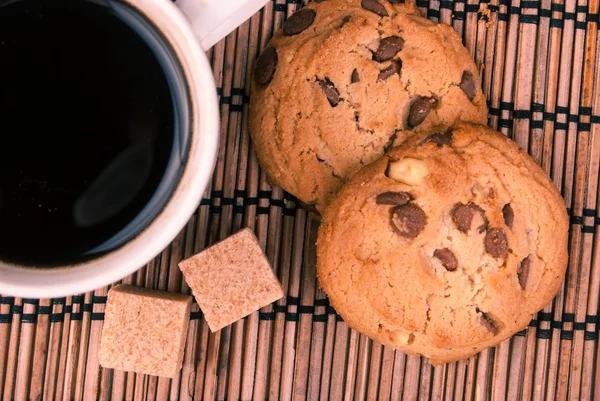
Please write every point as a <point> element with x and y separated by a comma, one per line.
<point>189,171</point>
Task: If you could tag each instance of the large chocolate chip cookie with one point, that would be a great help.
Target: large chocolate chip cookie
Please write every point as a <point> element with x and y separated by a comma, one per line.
<point>446,245</point>
<point>345,79</point>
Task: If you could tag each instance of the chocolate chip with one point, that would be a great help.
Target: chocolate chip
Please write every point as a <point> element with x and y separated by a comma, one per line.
<point>462,216</point>
<point>446,256</point>
<point>496,243</point>
<point>299,21</point>
<point>397,1</point>
<point>419,110</point>
<point>393,198</point>
<point>374,6</point>
<point>439,138</point>
<point>393,68</point>
<point>467,84</point>
<point>388,48</point>
<point>509,215</point>
<point>523,271</point>
<point>407,220</point>
<point>354,78</point>
<point>345,20</point>
<point>487,322</point>
<point>265,66</point>
<point>330,91</point>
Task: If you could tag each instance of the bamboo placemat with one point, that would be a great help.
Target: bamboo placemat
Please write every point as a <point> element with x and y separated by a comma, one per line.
<point>540,62</point>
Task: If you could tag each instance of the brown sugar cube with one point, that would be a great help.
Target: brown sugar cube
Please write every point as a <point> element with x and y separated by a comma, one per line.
<point>144,330</point>
<point>231,279</point>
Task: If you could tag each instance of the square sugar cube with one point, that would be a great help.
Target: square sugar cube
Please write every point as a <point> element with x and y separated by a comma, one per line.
<point>144,330</point>
<point>231,279</point>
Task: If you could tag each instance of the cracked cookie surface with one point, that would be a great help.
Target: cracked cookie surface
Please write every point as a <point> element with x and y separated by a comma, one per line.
<point>446,245</point>
<point>343,80</point>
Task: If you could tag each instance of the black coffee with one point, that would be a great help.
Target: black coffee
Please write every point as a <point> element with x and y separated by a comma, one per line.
<point>86,129</point>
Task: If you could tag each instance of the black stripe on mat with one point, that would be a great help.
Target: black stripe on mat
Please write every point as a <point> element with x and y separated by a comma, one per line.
<point>566,335</point>
<point>320,318</point>
<point>44,310</point>
<point>266,315</point>
<point>288,208</point>
<point>584,119</point>
<point>446,4</point>
<point>559,22</point>
<point>322,302</point>
<point>556,22</point>
<point>75,316</point>
<point>217,201</point>
<point>29,318</point>
<point>97,316</point>
<point>57,318</point>
<point>306,309</point>
<point>291,317</point>
<point>280,308</point>
<point>99,300</point>
<point>542,317</point>
<point>433,14</point>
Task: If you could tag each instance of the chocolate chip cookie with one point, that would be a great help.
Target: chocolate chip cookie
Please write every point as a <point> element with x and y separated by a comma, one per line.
<point>446,245</point>
<point>344,80</point>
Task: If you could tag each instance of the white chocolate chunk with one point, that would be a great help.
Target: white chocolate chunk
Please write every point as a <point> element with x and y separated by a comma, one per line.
<point>401,337</point>
<point>408,171</point>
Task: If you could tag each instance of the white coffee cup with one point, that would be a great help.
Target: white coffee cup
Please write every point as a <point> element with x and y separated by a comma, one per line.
<point>188,27</point>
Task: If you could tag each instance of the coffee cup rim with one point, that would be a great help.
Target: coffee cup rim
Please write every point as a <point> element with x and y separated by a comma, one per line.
<point>196,175</point>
